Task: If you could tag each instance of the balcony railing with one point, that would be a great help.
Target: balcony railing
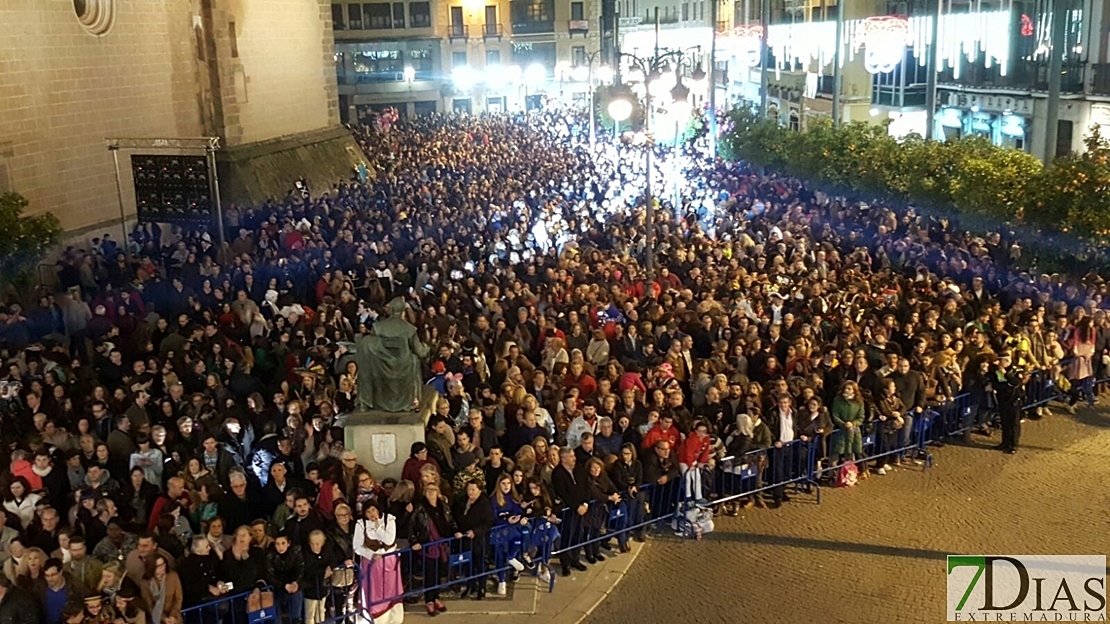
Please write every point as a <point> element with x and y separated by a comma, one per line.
<point>1022,75</point>
<point>533,27</point>
<point>490,31</point>
<point>722,26</point>
<point>634,20</point>
<point>458,31</point>
<point>578,26</point>
<point>1100,79</point>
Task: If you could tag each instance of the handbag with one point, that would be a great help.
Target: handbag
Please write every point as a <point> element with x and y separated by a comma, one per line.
<point>260,600</point>
<point>848,475</point>
<point>343,577</point>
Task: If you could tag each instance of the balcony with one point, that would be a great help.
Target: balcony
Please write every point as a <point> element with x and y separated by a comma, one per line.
<point>578,26</point>
<point>1100,79</point>
<point>533,27</point>
<point>1023,76</point>
<point>490,31</point>
<point>458,31</point>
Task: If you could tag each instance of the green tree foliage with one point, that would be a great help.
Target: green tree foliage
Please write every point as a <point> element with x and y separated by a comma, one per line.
<point>1074,192</point>
<point>25,240</point>
<point>969,175</point>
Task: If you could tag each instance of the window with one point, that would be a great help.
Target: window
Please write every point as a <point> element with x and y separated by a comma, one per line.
<point>578,56</point>
<point>685,11</point>
<point>457,17</point>
<point>354,16</point>
<point>233,40</point>
<point>533,16</point>
<point>378,15</point>
<point>491,14</point>
<point>398,14</point>
<point>420,14</point>
<point>379,66</point>
<point>525,54</point>
<point>337,21</point>
<point>421,63</point>
<point>493,57</point>
<point>458,59</point>
<point>576,11</point>
<point>340,71</point>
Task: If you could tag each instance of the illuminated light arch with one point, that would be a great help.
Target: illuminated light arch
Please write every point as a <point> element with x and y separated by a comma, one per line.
<point>744,42</point>
<point>884,40</point>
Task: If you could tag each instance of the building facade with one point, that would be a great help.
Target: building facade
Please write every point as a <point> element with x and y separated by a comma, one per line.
<point>993,59</point>
<point>258,75</point>
<point>475,56</point>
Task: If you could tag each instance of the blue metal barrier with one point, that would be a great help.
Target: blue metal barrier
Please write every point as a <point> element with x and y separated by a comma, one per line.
<point>763,470</point>
<point>648,507</point>
<point>458,562</point>
<point>230,609</point>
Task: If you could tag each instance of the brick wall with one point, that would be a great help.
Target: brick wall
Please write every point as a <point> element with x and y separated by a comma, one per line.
<point>63,91</point>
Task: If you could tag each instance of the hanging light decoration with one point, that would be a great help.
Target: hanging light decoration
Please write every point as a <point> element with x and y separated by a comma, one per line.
<point>883,40</point>
<point>743,42</point>
<point>963,38</point>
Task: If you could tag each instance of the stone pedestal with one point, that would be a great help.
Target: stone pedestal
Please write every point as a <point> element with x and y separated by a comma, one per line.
<point>382,440</point>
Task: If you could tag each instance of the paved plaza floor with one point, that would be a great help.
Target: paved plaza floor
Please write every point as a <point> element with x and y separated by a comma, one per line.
<point>875,553</point>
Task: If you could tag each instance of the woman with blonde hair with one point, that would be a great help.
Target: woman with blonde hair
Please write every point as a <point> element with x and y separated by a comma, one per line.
<point>430,475</point>
<point>525,460</point>
<point>543,417</point>
<point>33,563</point>
<point>111,577</point>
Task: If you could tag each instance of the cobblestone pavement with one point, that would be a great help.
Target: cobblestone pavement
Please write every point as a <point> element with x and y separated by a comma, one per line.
<point>875,553</point>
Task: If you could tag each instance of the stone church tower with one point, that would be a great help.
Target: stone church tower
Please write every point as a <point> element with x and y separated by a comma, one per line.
<point>258,74</point>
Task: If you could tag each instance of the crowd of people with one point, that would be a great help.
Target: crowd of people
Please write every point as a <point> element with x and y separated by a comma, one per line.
<point>175,425</point>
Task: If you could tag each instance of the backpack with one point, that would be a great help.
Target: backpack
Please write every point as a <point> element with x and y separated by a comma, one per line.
<point>847,476</point>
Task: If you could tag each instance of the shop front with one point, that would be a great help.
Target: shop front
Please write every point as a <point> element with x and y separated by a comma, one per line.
<point>1006,121</point>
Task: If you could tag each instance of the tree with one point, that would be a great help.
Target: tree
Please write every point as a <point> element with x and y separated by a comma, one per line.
<point>1074,193</point>
<point>26,239</point>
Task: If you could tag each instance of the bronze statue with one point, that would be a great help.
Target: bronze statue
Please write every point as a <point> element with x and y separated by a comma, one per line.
<point>389,377</point>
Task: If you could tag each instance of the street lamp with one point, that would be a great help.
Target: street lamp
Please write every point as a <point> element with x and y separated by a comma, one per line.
<point>657,75</point>
<point>586,72</point>
<point>619,110</point>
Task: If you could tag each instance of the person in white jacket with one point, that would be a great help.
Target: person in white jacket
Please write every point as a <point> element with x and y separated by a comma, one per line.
<point>21,501</point>
<point>375,543</point>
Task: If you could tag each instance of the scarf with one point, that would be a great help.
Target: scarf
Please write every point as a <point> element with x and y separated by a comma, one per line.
<point>158,590</point>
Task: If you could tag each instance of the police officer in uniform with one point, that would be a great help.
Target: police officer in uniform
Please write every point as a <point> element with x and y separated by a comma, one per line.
<point>1008,385</point>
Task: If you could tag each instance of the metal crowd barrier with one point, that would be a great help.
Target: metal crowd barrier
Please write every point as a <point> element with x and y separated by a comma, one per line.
<point>605,521</point>
<point>228,609</point>
<point>339,601</point>
<point>800,464</point>
<point>455,563</point>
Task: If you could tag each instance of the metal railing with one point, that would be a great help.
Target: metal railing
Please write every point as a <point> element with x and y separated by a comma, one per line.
<point>678,502</point>
<point>492,30</point>
<point>458,31</point>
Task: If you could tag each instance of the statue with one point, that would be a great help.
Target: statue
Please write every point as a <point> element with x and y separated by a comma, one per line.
<point>389,378</point>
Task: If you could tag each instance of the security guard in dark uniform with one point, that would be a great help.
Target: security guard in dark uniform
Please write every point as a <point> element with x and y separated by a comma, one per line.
<point>1008,385</point>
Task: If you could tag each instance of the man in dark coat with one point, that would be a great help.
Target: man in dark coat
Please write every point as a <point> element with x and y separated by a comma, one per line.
<point>16,605</point>
<point>570,489</point>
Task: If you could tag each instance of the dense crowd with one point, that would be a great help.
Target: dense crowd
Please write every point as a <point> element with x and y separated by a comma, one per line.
<point>175,426</point>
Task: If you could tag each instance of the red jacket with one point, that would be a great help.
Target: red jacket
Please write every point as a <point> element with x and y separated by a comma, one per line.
<point>25,469</point>
<point>695,450</point>
<point>656,433</point>
<point>586,385</point>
